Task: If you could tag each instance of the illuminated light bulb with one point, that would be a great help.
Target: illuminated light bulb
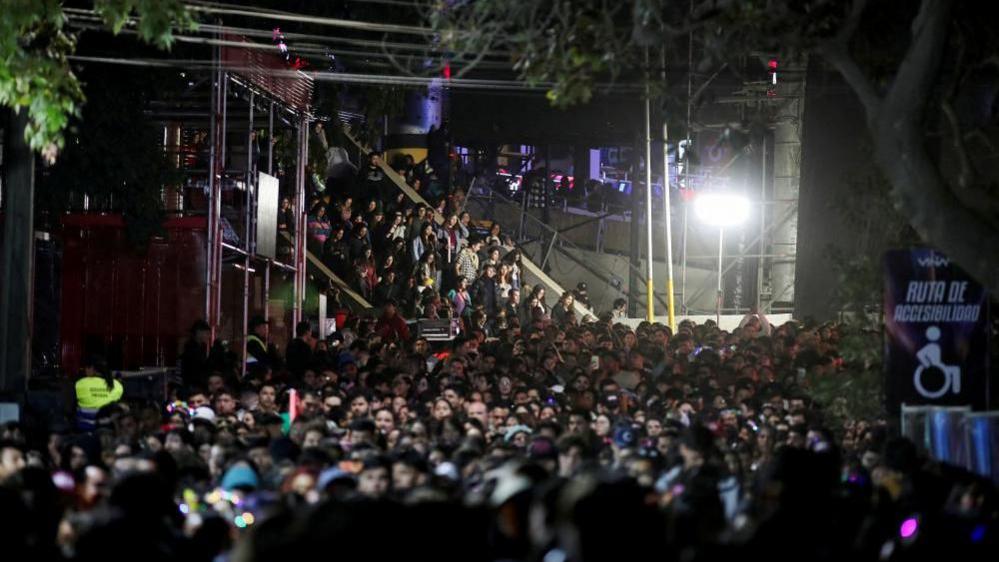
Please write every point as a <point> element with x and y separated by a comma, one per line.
<point>908,528</point>
<point>248,518</point>
<point>240,522</point>
<point>184,509</point>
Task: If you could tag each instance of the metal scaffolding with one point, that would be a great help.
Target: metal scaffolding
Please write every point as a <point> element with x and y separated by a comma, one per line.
<point>234,90</point>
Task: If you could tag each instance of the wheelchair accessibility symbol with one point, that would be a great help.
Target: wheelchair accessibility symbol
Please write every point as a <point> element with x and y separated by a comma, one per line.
<point>930,356</point>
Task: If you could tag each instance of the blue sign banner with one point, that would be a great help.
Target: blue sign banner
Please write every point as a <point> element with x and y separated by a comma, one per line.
<point>936,332</point>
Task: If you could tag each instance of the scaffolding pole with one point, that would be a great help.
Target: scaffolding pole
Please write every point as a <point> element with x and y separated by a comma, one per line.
<point>667,215</point>
<point>650,308</point>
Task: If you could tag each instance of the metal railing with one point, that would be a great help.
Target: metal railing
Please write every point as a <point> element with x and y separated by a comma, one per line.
<point>550,239</point>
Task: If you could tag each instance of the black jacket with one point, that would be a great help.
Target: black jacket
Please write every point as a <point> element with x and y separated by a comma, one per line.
<point>298,357</point>
<point>485,294</point>
<point>194,363</point>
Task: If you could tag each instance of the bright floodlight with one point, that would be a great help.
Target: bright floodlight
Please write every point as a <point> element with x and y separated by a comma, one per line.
<point>721,209</point>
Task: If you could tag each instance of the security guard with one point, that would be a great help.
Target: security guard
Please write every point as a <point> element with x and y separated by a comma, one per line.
<point>259,352</point>
<point>95,390</point>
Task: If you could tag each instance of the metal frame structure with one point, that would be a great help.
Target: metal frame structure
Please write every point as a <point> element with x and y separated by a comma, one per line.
<point>774,246</point>
<point>245,257</point>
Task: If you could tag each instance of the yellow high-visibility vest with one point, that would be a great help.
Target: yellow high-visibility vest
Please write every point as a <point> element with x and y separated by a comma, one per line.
<point>92,393</point>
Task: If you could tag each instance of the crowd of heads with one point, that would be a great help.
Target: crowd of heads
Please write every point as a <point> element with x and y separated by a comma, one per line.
<point>538,433</point>
<point>584,442</point>
<point>430,259</point>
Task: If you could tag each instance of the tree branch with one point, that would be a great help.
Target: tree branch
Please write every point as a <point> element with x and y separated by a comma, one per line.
<point>852,22</point>
<point>964,176</point>
<point>914,80</point>
<point>918,188</point>
<point>975,196</point>
<point>837,52</point>
<point>837,56</point>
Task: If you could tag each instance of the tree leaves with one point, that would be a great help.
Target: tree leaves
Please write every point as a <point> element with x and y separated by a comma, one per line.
<point>35,74</point>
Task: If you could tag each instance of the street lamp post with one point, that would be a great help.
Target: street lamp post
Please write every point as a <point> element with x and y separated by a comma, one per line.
<point>721,210</point>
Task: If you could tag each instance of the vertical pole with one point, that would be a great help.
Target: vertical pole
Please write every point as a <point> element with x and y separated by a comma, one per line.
<point>721,294</point>
<point>224,93</point>
<point>650,309</point>
<point>248,223</point>
<point>524,189</point>
<point>210,224</point>
<point>300,273</point>
<point>667,215</point>
<point>683,260</point>
<point>270,140</point>
<point>546,187</point>
<point>686,164</point>
<point>17,259</point>
<point>763,228</point>
<point>636,276</point>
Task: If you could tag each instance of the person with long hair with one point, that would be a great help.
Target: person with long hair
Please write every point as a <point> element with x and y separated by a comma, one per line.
<point>512,259</point>
<point>503,283</point>
<point>425,242</point>
<point>460,299</point>
<point>536,301</point>
<point>451,235</point>
<point>319,226</point>
<point>495,236</point>
<point>427,269</point>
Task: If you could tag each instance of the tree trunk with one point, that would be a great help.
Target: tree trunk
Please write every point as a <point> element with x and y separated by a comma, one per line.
<point>16,260</point>
<point>932,209</point>
<point>896,122</point>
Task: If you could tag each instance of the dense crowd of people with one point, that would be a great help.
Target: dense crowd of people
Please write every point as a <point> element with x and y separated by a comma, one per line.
<point>535,435</point>
<point>428,259</point>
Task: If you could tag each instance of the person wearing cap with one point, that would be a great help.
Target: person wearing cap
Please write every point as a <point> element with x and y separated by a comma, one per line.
<point>371,180</point>
<point>582,294</point>
<point>409,471</point>
<point>624,439</point>
<point>335,482</point>
<point>258,348</point>
<point>518,436</point>
<point>375,480</point>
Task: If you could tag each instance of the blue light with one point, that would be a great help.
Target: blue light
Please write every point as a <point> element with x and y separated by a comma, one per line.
<point>978,533</point>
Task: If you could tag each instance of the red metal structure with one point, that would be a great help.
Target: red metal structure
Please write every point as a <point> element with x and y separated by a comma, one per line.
<point>138,306</point>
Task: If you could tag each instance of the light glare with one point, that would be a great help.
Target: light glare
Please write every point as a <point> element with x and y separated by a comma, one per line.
<point>721,209</point>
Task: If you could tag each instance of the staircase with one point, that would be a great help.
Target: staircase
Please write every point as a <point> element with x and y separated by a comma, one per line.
<point>357,302</point>
<point>532,273</point>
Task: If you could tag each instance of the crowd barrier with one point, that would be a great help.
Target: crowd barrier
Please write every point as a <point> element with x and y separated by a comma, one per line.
<point>956,435</point>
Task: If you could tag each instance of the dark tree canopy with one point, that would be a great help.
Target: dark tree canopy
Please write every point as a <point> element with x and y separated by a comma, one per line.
<point>926,74</point>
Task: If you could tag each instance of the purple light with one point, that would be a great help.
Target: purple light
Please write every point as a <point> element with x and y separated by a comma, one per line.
<point>908,528</point>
